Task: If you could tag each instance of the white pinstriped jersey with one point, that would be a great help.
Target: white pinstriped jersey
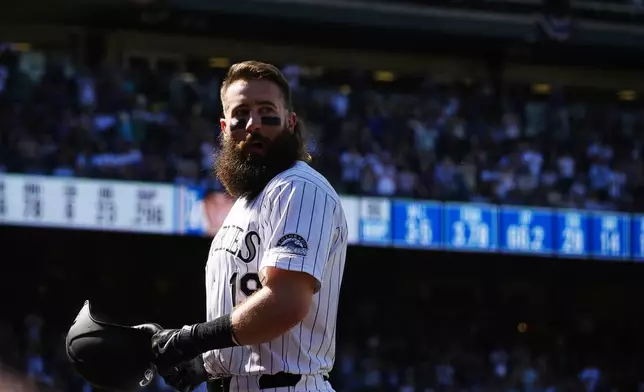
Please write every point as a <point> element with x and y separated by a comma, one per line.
<point>296,223</point>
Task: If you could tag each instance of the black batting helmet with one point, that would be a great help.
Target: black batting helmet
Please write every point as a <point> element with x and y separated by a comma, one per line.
<point>109,356</point>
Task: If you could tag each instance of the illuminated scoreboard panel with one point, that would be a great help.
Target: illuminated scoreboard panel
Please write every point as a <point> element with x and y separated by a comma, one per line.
<point>571,233</point>
<point>609,235</point>
<point>471,227</point>
<point>526,230</point>
<point>417,224</point>
<point>637,238</point>
<point>374,224</point>
<point>42,201</point>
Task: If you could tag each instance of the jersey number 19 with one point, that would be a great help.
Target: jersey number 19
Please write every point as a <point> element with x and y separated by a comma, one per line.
<point>248,284</point>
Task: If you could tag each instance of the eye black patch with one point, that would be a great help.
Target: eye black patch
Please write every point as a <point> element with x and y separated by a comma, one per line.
<point>238,123</point>
<point>272,121</point>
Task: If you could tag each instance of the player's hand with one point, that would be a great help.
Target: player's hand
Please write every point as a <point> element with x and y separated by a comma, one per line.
<point>150,328</point>
<point>171,347</point>
<point>187,376</point>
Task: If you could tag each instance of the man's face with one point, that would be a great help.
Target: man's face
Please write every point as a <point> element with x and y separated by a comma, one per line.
<point>257,137</point>
<point>255,115</point>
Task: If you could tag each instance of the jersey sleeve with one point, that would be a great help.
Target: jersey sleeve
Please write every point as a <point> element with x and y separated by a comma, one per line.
<point>298,229</point>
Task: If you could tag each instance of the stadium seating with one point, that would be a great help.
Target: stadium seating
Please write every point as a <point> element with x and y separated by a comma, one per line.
<point>460,141</point>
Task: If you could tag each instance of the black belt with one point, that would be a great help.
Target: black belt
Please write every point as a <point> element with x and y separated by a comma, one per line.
<point>266,381</point>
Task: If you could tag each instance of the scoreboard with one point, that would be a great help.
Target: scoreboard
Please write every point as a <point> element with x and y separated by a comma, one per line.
<point>374,224</point>
<point>470,227</point>
<point>637,237</point>
<point>602,235</point>
<point>418,224</point>
<point>571,233</point>
<point>610,235</point>
<point>89,204</point>
<point>526,230</point>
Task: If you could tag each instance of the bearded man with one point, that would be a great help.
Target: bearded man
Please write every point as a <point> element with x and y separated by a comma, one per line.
<point>275,267</point>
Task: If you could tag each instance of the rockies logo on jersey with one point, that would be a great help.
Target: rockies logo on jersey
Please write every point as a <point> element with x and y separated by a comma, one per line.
<point>292,243</point>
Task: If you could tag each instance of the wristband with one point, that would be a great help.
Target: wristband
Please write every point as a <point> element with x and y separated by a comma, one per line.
<point>213,335</point>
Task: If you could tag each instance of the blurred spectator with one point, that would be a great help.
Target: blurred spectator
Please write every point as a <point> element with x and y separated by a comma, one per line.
<point>443,141</point>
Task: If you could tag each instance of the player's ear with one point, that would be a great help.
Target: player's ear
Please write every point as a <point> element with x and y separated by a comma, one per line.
<point>222,124</point>
<point>291,121</point>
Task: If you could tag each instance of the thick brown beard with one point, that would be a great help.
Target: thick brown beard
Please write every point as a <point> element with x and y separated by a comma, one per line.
<point>245,175</point>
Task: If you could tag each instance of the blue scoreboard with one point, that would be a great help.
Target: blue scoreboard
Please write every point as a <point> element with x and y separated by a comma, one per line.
<point>374,224</point>
<point>637,239</point>
<point>417,224</point>
<point>526,230</point>
<point>479,227</point>
<point>609,235</point>
<point>472,227</point>
<point>571,233</point>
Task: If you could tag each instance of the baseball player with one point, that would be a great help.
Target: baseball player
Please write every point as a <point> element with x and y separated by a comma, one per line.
<point>275,267</point>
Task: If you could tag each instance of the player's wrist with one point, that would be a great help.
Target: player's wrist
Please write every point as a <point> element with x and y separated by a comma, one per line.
<point>173,346</point>
<point>180,345</point>
<point>214,335</point>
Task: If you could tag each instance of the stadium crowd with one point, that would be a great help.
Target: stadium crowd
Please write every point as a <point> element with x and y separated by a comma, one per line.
<point>466,141</point>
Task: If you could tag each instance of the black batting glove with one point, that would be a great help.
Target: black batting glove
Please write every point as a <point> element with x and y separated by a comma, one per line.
<point>187,376</point>
<point>171,347</point>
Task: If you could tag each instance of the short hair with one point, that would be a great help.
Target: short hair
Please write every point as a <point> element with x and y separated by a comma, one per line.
<point>256,70</point>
